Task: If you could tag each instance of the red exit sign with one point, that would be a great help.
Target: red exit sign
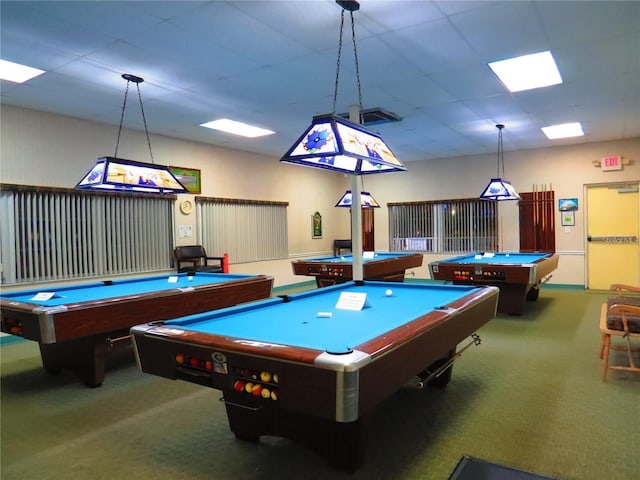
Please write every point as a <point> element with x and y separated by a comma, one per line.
<point>611,163</point>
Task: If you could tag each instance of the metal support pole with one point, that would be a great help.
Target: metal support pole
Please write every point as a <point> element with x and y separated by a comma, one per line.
<point>356,211</point>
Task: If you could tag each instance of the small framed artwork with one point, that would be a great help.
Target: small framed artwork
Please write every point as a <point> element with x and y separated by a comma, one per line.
<point>568,218</point>
<point>567,204</point>
<point>316,225</point>
<point>189,177</point>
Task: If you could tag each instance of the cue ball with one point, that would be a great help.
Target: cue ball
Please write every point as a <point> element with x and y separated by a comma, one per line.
<point>388,293</point>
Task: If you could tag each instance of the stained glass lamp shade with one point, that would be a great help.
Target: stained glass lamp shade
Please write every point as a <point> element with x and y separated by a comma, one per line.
<point>334,143</point>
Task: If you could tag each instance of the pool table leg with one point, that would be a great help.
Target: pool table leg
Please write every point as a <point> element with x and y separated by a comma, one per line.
<point>443,379</point>
<point>341,444</point>
<point>533,293</point>
<point>329,282</point>
<point>86,357</point>
<point>512,299</point>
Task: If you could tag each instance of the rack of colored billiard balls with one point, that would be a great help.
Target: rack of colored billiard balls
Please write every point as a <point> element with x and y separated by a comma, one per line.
<point>256,383</point>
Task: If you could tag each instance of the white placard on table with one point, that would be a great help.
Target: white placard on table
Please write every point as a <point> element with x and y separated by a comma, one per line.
<point>43,296</point>
<point>351,300</point>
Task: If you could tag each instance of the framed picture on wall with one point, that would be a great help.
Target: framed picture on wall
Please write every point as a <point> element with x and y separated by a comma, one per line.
<point>567,204</point>
<point>568,218</point>
<point>316,225</point>
<point>189,177</point>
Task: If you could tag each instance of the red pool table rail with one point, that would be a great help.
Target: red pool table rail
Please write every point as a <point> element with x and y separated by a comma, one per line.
<point>323,400</point>
<point>518,282</point>
<point>387,268</point>
<point>80,335</point>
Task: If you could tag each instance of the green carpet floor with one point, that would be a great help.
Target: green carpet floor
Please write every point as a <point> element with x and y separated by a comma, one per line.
<point>530,397</point>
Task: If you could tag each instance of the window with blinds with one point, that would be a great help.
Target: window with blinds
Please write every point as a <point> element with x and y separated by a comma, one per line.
<point>247,230</point>
<point>449,226</point>
<point>58,234</point>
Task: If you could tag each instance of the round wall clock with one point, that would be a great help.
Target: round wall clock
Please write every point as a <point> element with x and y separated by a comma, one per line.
<point>186,207</point>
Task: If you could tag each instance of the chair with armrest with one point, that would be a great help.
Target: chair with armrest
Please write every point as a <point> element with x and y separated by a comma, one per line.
<point>620,317</point>
<point>339,245</point>
<point>625,290</point>
<point>194,258</point>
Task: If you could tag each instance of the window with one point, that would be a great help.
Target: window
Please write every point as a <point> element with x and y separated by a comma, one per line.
<point>58,234</point>
<point>448,226</point>
<point>247,230</point>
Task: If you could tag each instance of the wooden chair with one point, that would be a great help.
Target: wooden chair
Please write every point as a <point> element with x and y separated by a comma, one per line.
<point>339,245</point>
<point>194,258</point>
<point>620,317</point>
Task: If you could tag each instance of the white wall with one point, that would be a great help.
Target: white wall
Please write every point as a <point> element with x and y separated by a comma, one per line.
<point>564,169</point>
<point>43,149</point>
<point>49,150</point>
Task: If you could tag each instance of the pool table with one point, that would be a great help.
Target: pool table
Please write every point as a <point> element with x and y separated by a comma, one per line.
<point>302,368</point>
<point>383,266</point>
<point>518,275</point>
<point>78,325</point>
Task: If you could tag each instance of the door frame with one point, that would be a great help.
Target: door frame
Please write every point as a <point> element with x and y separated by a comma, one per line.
<point>586,186</point>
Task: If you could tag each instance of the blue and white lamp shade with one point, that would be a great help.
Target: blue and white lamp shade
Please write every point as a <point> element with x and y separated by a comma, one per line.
<point>119,174</point>
<point>334,143</point>
<point>499,190</point>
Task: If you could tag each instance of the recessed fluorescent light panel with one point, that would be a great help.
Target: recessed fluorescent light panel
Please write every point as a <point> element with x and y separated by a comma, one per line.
<point>14,72</point>
<point>565,130</point>
<point>237,128</point>
<point>527,72</point>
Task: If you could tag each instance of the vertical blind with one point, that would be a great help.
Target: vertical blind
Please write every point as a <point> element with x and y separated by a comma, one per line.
<point>449,226</point>
<point>247,230</point>
<point>57,234</point>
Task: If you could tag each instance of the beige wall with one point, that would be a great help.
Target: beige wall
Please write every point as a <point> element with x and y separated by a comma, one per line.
<point>43,149</point>
<point>564,169</point>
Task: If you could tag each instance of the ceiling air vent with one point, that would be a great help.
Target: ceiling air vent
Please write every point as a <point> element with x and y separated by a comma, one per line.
<point>375,116</point>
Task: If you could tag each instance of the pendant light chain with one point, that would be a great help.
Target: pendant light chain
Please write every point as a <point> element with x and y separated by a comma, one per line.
<point>137,81</point>
<point>357,64</point>
<point>500,151</point>
<point>355,55</point>
<point>335,91</point>
<point>144,119</point>
<point>318,147</point>
<point>124,106</point>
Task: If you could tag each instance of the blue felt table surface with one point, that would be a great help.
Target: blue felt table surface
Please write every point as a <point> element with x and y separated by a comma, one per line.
<point>119,288</point>
<point>348,258</point>
<point>499,258</point>
<point>297,322</point>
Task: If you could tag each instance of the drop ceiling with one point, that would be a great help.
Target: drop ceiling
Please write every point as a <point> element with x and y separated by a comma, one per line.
<point>273,64</point>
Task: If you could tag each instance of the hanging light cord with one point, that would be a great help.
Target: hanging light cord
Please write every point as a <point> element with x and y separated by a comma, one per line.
<point>355,56</point>
<point>500,151</point>
<point>137,81</point>
<point>357,65</point>
<point>124,106</point>
<point>335,91</point>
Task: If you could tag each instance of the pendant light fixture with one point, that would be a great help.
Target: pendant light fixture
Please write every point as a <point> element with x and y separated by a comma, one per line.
<point>499,189</point>
<point>119,174</point>
<point>334,143</point>
<point>366,200</point>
